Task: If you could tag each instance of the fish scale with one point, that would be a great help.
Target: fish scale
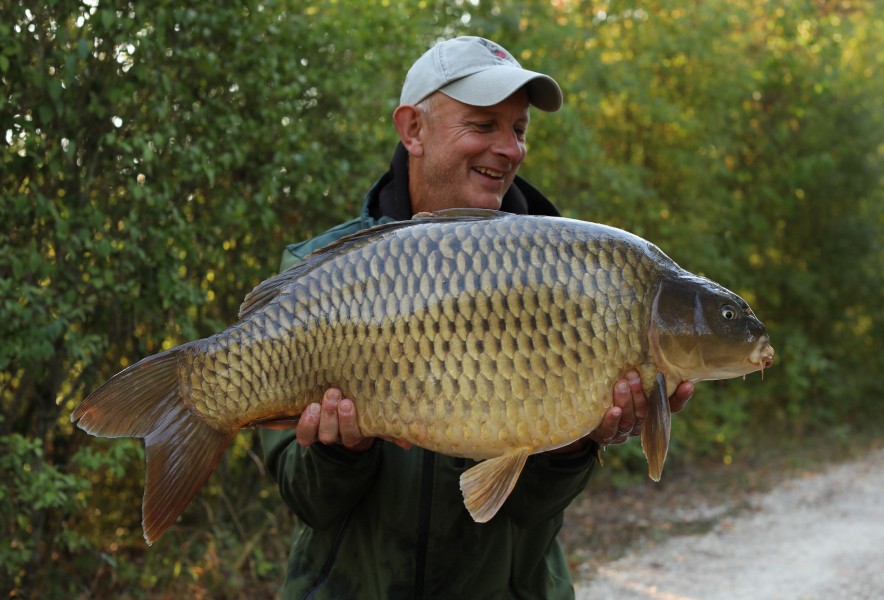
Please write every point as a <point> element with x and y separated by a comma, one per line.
<point>471,334</point>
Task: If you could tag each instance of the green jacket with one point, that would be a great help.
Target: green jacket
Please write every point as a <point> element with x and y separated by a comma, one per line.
<point>390,523</point>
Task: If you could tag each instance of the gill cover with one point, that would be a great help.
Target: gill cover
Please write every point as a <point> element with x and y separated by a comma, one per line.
<point>701,330</point>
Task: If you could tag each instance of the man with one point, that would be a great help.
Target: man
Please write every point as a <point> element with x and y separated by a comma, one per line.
<point>377,520</point>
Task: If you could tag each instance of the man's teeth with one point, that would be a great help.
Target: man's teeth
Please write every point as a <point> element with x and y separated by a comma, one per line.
<point>489,172</point>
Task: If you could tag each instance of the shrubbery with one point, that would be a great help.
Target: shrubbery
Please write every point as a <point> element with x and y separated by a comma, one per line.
<point>156,161</point>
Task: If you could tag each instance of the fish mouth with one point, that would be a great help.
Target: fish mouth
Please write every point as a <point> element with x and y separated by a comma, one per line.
<point>763,355</point>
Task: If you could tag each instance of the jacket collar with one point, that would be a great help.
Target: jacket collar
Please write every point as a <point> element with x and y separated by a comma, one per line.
<point>389,197</point>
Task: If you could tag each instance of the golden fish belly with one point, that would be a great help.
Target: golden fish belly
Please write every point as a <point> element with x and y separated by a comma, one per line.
<point>467,339</point>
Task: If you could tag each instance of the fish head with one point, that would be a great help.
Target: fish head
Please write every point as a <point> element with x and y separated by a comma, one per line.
<point>703,331</point>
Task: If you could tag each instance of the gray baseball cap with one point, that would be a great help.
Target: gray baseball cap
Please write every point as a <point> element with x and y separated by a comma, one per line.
<point>478,72</point>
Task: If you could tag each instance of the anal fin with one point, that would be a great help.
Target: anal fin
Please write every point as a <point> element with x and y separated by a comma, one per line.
<point>655,434</point>
<point>486,486</point>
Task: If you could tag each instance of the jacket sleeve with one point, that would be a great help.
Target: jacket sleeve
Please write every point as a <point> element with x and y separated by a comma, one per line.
<point>296,252</point>
<point>321,484</point>
<point>549,483</point>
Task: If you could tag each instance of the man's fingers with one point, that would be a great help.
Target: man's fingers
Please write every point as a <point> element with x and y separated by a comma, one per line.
<point>630,409</point>
<point>680,397</point>
<point>308,425</point>
<point>329,430</point>
<point>639,402</point>
<point>629,395</point>
<point>605,433</point>
<point>611,424</point>
<point>624,399</point>
<point>351,436</point>
<point>332,422</point>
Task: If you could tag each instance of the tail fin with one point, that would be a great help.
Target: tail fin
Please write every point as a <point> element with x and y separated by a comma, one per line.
<point>182,450</point>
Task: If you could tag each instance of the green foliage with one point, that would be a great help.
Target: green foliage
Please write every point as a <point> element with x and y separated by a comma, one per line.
<point>744,140</point>
<point>32,490</point>
<point>39,497</point>
<point>157,160</point>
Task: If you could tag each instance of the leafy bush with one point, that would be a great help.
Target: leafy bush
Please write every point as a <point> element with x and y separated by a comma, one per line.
<point>33,492</point>
<point>156,161</point>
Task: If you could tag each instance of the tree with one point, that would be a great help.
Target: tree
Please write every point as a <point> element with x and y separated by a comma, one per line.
<point>157,160</point>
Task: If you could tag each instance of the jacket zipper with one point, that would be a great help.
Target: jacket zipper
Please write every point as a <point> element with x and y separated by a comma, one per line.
<point>423,532</point>
<point>329,560</point>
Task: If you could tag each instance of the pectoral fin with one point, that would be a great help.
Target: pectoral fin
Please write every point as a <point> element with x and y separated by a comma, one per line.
<point>655,434</point>
<point>278,423</point>
<point>486,486</point>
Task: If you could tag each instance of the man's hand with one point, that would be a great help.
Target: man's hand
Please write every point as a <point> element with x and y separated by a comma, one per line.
<point>332,422</point>
<point>627,416</point>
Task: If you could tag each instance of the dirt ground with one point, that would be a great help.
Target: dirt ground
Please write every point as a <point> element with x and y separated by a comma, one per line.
<point>817,534</point>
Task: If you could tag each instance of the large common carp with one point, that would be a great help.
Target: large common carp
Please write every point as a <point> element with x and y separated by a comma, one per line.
<point>470,333</point>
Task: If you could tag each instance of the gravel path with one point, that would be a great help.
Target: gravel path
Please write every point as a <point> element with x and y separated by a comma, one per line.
<point>816,537</point>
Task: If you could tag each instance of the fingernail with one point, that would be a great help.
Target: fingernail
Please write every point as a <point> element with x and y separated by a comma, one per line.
<point>313,410</point>
<point>345,408</point>
<point>622,387</point>
<point>633,377</point>
<point>333,394</point>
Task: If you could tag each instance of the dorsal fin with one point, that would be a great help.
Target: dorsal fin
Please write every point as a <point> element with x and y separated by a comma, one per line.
<point>461,213</point>
<point>266,291</point>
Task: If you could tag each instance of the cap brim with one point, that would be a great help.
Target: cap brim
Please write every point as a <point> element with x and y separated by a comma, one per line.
<point>491,86</point>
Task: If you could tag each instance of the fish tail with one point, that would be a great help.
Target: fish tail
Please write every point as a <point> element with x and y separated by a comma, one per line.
<point>181,448</point>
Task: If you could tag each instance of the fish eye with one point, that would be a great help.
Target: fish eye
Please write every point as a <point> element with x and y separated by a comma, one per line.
<point>728,312</point>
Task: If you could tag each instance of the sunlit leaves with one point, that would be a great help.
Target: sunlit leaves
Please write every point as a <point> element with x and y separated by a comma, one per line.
<point>156,160</point>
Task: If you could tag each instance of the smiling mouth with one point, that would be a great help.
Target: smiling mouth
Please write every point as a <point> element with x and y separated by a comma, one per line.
<point>489,172</point>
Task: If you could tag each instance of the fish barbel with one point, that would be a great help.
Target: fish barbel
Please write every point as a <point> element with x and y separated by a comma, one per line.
<point>469,333</point>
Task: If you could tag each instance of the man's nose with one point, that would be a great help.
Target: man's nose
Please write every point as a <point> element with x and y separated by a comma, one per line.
<point>509,145</point>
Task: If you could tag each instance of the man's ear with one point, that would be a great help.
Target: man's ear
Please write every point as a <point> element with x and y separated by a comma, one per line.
<point>409,121</point>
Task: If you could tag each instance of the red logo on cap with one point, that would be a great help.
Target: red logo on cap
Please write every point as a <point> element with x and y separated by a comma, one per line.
<point>494,49</point>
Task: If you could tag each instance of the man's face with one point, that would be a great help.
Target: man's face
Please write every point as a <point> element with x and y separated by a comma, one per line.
<point>470,153</point>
